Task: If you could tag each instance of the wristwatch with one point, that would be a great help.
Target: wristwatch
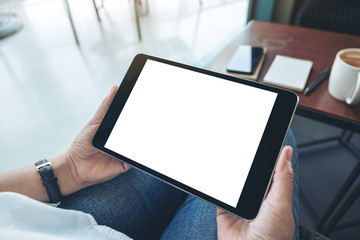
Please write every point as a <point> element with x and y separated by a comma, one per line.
<point>49,180</point>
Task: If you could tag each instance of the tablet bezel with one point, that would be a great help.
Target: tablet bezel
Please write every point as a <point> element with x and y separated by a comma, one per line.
<point>262,168</point>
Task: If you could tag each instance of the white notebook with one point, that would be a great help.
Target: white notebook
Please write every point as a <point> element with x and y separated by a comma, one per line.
<point>288,72</point>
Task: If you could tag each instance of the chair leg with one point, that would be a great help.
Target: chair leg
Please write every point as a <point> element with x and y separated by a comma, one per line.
<point>71,22</point>
<point>136,4</point>
<point>97,11</point>
<point>144,7</point>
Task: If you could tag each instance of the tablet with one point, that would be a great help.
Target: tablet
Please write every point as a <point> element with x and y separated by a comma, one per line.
<point>212,135</point>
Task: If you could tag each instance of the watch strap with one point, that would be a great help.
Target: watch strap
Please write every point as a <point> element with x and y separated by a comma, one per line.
<point>49,180</point>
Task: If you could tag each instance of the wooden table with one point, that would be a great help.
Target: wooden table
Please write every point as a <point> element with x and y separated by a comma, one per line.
<point>318,46</point>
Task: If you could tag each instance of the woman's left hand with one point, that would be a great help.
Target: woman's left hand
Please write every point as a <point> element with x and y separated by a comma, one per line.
<point>78,167</point>
<point>87,165</point>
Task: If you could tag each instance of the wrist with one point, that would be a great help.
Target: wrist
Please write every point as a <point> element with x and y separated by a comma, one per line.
<point>66,181</point>
<point>49,180</point>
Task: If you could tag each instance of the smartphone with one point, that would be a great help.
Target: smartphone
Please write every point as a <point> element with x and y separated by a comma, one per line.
<point>245,59</point>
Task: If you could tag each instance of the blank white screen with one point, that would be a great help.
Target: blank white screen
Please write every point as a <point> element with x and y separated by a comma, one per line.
<point>197,129</point>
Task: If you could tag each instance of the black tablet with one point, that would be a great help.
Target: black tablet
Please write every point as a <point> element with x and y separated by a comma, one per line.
<point>212,135</point>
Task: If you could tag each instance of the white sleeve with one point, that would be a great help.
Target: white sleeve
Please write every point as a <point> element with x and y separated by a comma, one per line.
<point>24,218</point>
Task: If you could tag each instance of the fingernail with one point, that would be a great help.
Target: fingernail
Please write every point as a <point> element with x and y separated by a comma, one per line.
<point>288,158</point>
<point>111,89</point>
<point>289,154</point>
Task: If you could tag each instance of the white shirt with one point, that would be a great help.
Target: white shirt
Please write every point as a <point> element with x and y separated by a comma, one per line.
<point>24,218</point>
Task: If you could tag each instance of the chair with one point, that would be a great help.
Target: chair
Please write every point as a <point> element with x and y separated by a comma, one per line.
<point>9,24</point>
<point>137,6</point>
<point>331,15</point>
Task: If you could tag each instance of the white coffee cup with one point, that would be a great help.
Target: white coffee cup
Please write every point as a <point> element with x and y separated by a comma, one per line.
<point>344,82</point>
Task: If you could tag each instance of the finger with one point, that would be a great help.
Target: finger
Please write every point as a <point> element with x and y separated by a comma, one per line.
<point>225,217</point>
<point>225,221</point>
<point>282,184</point>
<point>100,113</point>
<point>219,211</point>
<point>221,214</point>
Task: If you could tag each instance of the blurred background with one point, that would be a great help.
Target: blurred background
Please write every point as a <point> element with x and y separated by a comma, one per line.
<point>51,86</point>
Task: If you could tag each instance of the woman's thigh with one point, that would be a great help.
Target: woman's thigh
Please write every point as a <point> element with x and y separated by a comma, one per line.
<point>133,203</point>
<point>195,219</point>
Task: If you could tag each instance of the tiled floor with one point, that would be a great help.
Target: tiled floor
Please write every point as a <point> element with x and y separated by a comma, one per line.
<point>50,87</point>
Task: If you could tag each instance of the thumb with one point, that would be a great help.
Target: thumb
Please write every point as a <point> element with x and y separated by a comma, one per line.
<point>282,184</point>
<point>100,113</point>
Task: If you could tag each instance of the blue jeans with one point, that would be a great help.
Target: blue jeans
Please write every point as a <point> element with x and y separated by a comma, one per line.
<point>144,207</point>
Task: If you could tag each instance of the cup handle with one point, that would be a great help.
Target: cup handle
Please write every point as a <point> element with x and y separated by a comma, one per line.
<point>355,97</point>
